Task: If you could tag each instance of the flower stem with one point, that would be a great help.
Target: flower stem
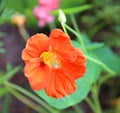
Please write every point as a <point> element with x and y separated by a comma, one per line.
<point>26,101</point>
<point>94,103</point>
<point>77,109</point>
<point>9,74</point>
<point>95,97</point>
<point>101,64</point>
<point>32,96</point>
<point>24,33</point>
<point>77,35</point>
<point>6,103</point>
<point>90,103</point>
<point>63,26</point>
<point>74,23</point>
<point>104,79</point>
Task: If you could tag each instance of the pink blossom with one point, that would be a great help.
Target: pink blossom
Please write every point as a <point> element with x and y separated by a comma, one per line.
<point>53,4</point>
<point>43,11</point>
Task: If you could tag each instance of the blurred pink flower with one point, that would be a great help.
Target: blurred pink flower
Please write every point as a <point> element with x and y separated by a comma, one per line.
<point>43,11</point>
<point>53,4</point>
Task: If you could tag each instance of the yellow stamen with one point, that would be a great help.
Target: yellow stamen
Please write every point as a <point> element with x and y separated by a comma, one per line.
<point>49,58</point>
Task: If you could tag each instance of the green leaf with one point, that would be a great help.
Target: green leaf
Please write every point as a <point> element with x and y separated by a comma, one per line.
<point>83,88</point>
<point>108,57</point>
<point>94,46</point>
<point>3,91</point>
<point>21,5</point>
<point>9,74</point>
<point>6,15</point>
<point>6,104</point>
<point>73,10</point>
<point>85,39</point>
<point>89,46</point>
<point>71,3</point>
<point>76,44</point>
<point>103,53</point>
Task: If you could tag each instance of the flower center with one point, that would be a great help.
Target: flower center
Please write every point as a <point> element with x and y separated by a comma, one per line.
<point>49,58</point>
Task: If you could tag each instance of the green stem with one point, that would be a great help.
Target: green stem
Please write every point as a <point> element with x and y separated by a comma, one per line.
<point>24,33</point>
<point>94,103</point>
<point>9,74</point>
<point>77,35</point>
<point>27,101</point>
<point>63,26</point>
<point>90,103</point>
<point>74,23</point>
<point>101,64</point>
<point>95,97</point>
<point>104,78</point>
<point>27,93</point>
<point>6,104</point>
<point>77,109</point>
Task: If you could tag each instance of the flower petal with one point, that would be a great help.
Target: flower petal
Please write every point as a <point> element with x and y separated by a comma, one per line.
<point>75,69</point>
<point>37,74</point>
<point>60,85</point>
<point>35,45</point>
<point>60,43</point>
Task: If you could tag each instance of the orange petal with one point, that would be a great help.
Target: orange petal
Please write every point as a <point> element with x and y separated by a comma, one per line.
<point>75,69</point>
<point>60,85</point>
<point>35,45</point>
<point>28,54</point>
<point>37,74</point>
<point>60,43</point>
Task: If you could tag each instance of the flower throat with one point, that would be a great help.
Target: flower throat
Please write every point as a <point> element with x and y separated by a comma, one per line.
<point>49,58</point>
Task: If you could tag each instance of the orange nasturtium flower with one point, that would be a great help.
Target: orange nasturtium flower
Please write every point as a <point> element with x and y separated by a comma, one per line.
<point>53,63</point>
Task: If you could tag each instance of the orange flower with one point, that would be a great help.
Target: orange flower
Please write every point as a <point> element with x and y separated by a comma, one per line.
<point>53,64</point>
